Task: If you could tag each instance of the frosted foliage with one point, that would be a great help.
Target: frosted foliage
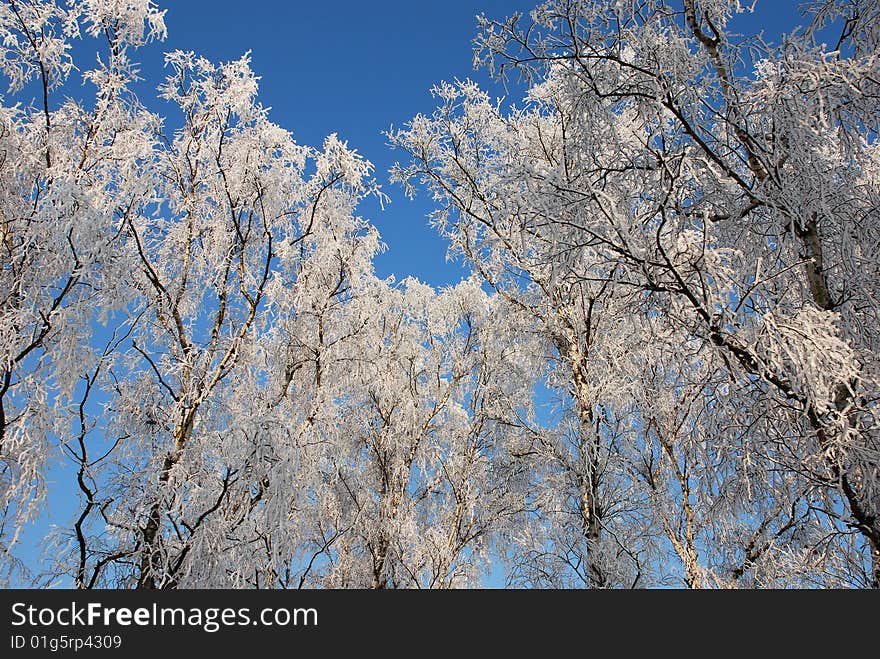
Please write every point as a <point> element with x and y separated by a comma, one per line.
<point>690,221</point>
<point>63,173</point>
<point>807,346</point>
<point>192,328</point>
<point>662,370</point>
<point>861,20</point>
<point>132,22</point>
<point>35,42</point>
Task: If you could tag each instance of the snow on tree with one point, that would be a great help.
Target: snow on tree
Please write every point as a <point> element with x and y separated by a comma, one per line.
<point>718,198</point>
<point>67,172</point>
<point>663,371</point>
<point>192,318</point>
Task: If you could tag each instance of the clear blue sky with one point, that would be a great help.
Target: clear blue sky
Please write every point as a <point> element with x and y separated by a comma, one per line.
<point>349,67</point>
<point>354,67</point>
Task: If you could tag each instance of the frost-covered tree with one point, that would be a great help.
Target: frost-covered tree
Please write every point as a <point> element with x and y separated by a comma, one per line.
<point>663,371</point>
<point>192,318</point>
<point>693,214</point>
<point>65,170</point>
<point>402,481</point>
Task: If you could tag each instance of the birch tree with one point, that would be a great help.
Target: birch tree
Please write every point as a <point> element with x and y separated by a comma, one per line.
<point>61,180</point>
<point>244,402</point>
<point>721,185</point>
<point>663,370</point>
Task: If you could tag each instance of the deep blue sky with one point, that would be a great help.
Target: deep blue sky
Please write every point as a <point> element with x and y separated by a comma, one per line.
<point>355,68</point>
